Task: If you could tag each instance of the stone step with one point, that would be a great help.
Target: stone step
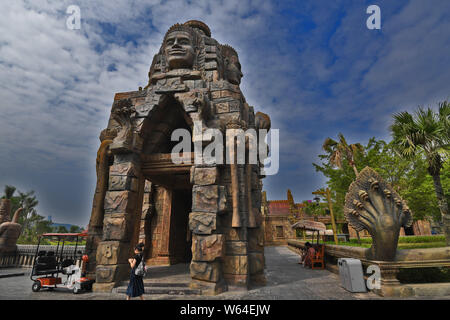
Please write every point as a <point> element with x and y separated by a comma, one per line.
<point>170,290</point>
<point>149,283</point>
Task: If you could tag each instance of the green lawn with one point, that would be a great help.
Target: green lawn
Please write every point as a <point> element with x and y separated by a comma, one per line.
<point>407,242</point>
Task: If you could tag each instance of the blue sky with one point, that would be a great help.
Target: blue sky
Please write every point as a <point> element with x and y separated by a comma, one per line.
<point>313,66</point>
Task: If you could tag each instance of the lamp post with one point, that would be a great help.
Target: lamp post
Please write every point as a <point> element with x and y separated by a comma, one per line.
<point>327,193</point>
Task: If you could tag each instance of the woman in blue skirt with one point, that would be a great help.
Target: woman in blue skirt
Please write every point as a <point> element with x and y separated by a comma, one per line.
<point>136,285</point>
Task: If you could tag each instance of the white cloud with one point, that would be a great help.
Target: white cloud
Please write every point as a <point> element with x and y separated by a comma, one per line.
<point>56,91</point>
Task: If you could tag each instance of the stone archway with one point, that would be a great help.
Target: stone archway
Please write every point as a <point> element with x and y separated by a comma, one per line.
<point>168,193</point>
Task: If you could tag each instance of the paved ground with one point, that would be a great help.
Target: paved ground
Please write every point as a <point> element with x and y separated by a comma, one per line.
<point>286,280</point>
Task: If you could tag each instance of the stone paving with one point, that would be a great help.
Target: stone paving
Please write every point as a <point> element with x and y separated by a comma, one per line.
<point>286,280</point>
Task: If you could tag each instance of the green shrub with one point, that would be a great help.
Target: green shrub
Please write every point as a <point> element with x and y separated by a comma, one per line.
<point>421,239</point>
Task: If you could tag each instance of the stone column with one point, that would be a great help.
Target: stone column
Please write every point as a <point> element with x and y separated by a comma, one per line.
<point>121,216</point>
<point>145,223</point>
<point>208,244</point>
<point>256,234</point>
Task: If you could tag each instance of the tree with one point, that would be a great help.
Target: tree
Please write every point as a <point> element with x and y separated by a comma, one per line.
<point>9,191</point>
<point>409,177</point>
<point>75,229</point>
<point>342,151</point>
<point>428,133</point>
<point>28,201</point>
<point>5,204</point>
<point>62,229</point>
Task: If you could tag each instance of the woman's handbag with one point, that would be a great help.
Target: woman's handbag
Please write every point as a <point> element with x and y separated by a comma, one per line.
<point>140,270</point>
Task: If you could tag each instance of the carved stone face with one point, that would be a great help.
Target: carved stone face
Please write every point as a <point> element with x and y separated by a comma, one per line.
<point>179,50</point>
<point>233,70</point>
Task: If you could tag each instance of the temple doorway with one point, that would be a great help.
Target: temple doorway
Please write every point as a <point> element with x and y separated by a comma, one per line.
<point>167,199</point>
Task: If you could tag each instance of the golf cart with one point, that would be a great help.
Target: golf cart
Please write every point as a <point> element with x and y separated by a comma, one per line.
<point>48,265</point>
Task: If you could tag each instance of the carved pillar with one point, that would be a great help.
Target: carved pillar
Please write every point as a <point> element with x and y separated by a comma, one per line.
<point>208,244</point>
<point>145,223</point>
<point>121,216</point>
<point>163,252</point>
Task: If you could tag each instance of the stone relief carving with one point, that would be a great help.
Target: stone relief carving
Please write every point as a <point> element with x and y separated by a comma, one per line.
<point>232,65</point>
<point>121,113</point>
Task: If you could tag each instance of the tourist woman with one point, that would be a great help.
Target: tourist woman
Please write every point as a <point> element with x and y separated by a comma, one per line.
<point>136,285</point>
<point>308,255</point>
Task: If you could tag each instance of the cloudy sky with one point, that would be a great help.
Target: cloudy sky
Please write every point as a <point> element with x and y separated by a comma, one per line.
<point>313,66</point>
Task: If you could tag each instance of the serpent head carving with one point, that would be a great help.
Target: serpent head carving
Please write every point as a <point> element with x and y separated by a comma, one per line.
<point>373,205</point>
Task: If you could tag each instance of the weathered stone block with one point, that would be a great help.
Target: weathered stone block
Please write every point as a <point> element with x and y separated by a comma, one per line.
<point>237,281</point>
<point>235,265</point>
<point>205,198</point>
<point>208,248</point>
<point>222,107</point>
<point>223,203</point>
<point>211,65</point>
<point>170,85</point>
<point>118,183</point>
<point>124,169</point>
<point>120,201</point>
<point>204,176</point>
<point>202,222</point>
<point>112,252</point>
<point>209,288</point>
<point>256,262</point>
<point>210,48</point>
<point>230,117</point>
<point>116,227</point>
<point>235,234</point>
<point>236,247</point>
<point>144,109</point>
<point>103,287</point>
<point>225,94</point>
<point>256,239</point>
<point>206,271</point>
<point>105,274</point>
<point>234,106</point>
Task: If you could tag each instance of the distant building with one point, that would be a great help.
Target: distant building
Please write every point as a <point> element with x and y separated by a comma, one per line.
<point>279,215</point>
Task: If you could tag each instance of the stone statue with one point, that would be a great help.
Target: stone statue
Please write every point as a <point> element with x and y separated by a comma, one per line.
<point>9,233</point>
<point>373,205</point>
<point>233,71</point>
<point>179,47</point>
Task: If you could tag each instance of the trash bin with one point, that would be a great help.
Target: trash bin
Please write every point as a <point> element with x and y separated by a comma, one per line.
<point>351,274</point>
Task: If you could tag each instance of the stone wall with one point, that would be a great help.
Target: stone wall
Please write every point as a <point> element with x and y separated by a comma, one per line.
<point>277,230</point>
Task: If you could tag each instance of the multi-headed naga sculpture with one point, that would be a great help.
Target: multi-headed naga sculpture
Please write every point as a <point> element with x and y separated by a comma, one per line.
<point>373,205</point>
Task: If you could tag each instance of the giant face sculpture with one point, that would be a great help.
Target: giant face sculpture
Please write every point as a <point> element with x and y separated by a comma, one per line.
<point>232,66</point>
<point>179,50</point>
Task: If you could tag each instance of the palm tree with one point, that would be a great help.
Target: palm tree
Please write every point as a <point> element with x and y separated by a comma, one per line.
<point>28,202</point>
<point>340,151</point>
<point>428,132</point>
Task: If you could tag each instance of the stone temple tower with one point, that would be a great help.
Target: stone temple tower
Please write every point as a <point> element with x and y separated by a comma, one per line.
<point>204,213</point>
